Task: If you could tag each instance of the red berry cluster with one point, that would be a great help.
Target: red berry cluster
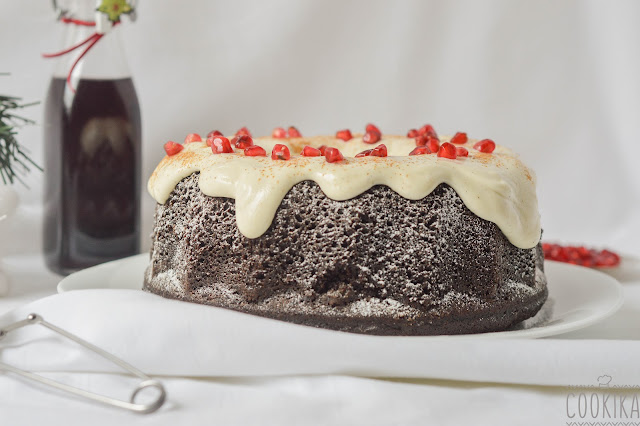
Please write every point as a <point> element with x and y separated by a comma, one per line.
<point>428,142</point>
<point>426,138</point>
<point>372,134</point>
<point>580,255</point>
<point>378,151</point>
<point>281,133</point>
<point>332,155</point>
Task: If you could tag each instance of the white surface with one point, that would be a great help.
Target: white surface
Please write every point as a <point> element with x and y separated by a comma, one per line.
<point>555,81</point>
<point>578,297</point>
<point>321,400</point>
<point>8,205</point>
<point>299,400</point>
<point>8,202</point>
<point>203,341</point>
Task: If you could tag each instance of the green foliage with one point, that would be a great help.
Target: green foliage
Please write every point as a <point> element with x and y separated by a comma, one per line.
<point>14,158</point>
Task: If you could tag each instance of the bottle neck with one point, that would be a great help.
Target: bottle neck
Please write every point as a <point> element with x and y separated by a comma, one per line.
<point>104,61</point>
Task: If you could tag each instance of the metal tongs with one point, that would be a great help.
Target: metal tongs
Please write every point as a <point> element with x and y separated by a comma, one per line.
<point>147,382</point>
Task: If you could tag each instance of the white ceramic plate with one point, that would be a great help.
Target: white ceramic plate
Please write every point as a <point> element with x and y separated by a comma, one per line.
<point>578,296</point>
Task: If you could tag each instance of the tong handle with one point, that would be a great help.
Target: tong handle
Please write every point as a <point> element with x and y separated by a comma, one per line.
<point>147,382</point>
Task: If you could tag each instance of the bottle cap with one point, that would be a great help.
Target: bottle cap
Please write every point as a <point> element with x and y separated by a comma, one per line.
<point>106,13</point>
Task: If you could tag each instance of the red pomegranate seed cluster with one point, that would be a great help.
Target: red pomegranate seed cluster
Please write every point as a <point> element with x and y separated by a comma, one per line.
<point>281,133</point>
<point>378,151</point>
<point>372,134</point>
<point>426,138</point>
<point>580,255</point>
<point>427,142</point>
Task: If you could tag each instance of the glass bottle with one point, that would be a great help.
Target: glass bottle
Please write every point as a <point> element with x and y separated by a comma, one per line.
<point>92,140</point>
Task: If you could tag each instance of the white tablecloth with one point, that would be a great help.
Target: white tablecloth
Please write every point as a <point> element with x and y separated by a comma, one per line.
<point>299,400</point>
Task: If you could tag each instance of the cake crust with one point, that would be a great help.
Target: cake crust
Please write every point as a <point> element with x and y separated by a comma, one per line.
<point>376,264</point>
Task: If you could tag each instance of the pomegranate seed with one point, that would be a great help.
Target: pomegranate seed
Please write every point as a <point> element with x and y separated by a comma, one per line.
<point>587,263</point>
<point>607,258</point>
<point>364,153</point>
<point>583,252</point>
<point>210,140</point>
<point>554,252</point>
<point>333,155</point>
<point>255,151</point>
<point>373,128</point>
<point>280,152</point>
<point>433,144</point>
<point>420,150</point>
<point>427,130</point>
<point>459,138</point>
<point>485,145</point>
<point>221,145</point>
<point>322,148</point>
<point>214,133</point>
<point>242,141</point>
<point>379,151</point>
<point>309,151</point>
<point>294,133</point>
<point>172,148</point>
<point>279,133</point>
<point>192,137</point>
<point>413,133</point>
<point>430,141</point>
<point>371,137</point>
<point>447,151</point>
<point>345,134</point>
<point>462,151</point>
<point>243,131</point>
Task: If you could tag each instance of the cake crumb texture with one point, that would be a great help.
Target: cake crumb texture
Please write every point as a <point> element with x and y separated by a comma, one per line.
<point>375,264</point>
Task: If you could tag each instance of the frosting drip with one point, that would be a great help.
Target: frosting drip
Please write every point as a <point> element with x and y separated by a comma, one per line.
<point>497,187</point>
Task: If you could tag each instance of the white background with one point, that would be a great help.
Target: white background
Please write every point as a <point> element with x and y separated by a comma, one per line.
<point>559,82</point>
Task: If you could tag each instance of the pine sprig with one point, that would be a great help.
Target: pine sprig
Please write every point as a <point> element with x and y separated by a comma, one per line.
<point>14,158</point>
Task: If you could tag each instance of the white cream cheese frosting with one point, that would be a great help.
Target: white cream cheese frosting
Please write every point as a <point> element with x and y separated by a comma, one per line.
<point>497,187</point>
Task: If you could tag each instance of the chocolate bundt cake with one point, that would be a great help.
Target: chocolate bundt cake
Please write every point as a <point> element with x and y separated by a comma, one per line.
<point>337,234</point>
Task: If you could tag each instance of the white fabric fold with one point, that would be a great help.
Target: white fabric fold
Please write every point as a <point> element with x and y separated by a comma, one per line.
<point>172,338</point>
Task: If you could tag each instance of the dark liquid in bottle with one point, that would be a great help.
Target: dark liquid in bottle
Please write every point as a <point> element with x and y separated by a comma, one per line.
<point>92,173</point>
